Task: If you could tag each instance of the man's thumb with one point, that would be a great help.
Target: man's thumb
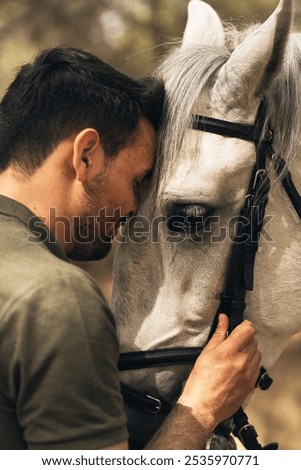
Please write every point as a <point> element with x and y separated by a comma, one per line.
<point>220,333</point>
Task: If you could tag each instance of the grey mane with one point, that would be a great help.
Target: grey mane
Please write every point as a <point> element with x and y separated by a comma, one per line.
<point>190,73</point>
<point>284,102</point>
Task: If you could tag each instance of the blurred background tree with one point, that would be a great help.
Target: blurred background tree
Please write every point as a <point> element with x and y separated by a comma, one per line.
<point>133,35</point>
<point>130,34</point>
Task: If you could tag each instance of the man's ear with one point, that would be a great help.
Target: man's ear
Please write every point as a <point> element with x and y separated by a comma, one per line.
<point>88,155</point>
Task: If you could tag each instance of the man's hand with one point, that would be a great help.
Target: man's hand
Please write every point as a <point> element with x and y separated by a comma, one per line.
<point>223,375</point>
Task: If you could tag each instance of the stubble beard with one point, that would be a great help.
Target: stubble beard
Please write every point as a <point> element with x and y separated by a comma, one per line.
<point>90,242</point>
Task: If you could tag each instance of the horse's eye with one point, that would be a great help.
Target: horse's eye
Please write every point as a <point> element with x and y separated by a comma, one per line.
<point>189,218</point>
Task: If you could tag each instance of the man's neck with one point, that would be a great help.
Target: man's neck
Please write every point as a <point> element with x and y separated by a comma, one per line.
<point>40,193</point>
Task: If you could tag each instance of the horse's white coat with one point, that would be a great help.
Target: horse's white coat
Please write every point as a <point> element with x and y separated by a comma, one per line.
<point>166,294</point>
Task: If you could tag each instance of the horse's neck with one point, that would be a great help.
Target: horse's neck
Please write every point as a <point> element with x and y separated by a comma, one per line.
<point>274,304</point>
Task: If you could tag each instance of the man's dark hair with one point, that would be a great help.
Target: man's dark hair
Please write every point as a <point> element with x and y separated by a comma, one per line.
<point>63,91</point>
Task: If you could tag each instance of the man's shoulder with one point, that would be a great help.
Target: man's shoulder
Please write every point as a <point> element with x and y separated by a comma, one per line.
<point>27,264</point>
<point>35,283</point>
<point>61,286</point>
<point>65,302</point>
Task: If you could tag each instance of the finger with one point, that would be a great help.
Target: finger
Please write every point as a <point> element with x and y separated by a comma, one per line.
<point>242,335</point>
<point>220,333</point>
<point>251,348</point>
<point>255,364</point>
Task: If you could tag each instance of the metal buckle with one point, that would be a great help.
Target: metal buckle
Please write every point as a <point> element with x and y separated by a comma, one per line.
<point>268,135</point>
<point>279,163</point>
<point>245,428</point>
<point>264,382</point>
<point>275,159</point>
<point>157,404</point>
<point>259,173</point>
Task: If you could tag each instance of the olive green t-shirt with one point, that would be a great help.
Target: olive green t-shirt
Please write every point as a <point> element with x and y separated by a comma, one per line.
<point>59,385</point>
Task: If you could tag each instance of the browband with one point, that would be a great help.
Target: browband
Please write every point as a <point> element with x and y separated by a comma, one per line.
<point>225,128</point>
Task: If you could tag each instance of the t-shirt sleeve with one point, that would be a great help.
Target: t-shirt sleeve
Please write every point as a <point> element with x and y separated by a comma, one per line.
<point>63,375</point>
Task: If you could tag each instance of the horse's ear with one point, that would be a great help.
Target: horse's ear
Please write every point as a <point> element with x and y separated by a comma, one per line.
<point>203,26</point>
<point>257,59</point>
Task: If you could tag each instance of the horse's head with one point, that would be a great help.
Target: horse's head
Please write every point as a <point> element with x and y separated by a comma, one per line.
<point>170,274</point>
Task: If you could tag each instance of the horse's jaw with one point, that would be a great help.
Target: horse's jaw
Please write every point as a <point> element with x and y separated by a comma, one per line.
<point>166,301</point>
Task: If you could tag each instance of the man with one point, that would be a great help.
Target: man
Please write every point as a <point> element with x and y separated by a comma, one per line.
<point>77,136</point>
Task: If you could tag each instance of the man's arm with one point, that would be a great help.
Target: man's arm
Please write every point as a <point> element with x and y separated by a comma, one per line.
<point>221,379</point>
<point>120,446</point>
<point>66,347</point>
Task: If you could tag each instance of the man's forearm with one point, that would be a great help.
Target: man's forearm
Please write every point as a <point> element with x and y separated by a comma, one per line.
<point>180,430</point>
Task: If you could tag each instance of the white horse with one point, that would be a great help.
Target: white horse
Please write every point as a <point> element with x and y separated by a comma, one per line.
<point>167,285</point>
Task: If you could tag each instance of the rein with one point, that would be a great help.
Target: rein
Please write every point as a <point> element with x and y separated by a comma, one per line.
<point>240,272</point>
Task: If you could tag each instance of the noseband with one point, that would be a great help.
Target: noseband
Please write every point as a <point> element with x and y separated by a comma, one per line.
<point>240,271</point>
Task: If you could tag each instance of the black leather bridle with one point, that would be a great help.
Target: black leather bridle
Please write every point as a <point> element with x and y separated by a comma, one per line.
<point>239,278</point>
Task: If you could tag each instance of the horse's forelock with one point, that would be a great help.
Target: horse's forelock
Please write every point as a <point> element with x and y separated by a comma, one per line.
<point>188,73</point>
